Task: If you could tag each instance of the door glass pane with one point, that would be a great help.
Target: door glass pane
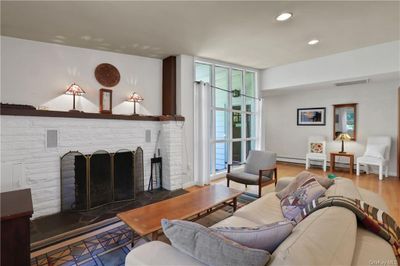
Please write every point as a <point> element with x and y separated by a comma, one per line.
<point>237,89</point>
<point>221,81</point>
<point>221,125</point>
<point>237,151</point>
<point>221,156</point>
<point>236,125</point>
<point>250,84</point>
<point>203,72</point>
<point>250,126</point>
<point>250,145</point>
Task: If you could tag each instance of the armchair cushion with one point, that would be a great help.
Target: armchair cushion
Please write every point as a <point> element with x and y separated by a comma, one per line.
<point>242,177</point>
<point>371,160</point>
<point>260,160</point>
<point>376,151</point>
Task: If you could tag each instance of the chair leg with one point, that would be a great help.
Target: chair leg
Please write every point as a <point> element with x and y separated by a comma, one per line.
<point>380,172</point>
<point>259,191</point>
<point>307,163</point>
<point>325,165</point>
<point>387,171</point>
<point>358,168</point>
<point>227,182</point>
<point>367,169</point>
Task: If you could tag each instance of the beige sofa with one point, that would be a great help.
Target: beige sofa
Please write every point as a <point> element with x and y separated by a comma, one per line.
<point>328,236</point>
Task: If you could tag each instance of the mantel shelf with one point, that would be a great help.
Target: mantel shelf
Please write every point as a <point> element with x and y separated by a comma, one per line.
<point>44,113</point>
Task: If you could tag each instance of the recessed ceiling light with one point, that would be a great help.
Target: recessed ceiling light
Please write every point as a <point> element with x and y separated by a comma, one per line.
<point>313,42</point>
<point>284,16</point>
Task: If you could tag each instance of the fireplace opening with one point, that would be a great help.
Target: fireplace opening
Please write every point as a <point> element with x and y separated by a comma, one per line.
<point>123,170</point>
<point>93,180</point>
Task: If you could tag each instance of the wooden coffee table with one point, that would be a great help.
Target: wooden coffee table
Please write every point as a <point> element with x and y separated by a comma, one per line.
<point>190,206</point>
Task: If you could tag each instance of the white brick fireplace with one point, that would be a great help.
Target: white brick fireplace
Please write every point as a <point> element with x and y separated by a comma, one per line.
<point>27,162</point>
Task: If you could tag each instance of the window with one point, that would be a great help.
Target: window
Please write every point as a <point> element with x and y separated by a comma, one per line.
<point>234,117</point>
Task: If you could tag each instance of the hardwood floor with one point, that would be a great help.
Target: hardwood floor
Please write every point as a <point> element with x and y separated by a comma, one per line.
<point>389,188</point>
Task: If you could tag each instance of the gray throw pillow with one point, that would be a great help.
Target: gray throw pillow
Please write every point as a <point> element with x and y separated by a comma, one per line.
<point>293,204</point>
<point>267,237</point>
<point>300,179</point>
<point>209,247</point>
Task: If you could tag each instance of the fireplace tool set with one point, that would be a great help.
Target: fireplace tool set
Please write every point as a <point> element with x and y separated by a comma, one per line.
<point>156,168</point>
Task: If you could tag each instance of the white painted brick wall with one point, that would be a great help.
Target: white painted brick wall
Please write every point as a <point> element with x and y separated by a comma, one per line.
<point>27,162</point>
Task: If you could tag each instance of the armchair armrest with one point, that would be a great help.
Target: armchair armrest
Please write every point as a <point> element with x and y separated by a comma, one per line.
<point>275,172</point>
<point>230,165</point>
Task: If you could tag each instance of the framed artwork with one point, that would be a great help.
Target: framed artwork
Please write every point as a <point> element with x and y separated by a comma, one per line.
<point>105,101</point>
<point>311,116</point>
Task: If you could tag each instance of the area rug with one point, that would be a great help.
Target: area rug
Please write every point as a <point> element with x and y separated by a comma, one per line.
<point>109,248</point>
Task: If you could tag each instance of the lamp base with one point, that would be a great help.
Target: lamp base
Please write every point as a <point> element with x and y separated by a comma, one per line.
<point>74,111</point>
<point>342,152</point>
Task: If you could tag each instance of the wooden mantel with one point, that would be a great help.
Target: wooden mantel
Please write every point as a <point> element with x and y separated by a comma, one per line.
<point>16,110</point>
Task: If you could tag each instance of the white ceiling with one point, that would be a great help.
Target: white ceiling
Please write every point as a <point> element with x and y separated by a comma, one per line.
<point>244,33</point>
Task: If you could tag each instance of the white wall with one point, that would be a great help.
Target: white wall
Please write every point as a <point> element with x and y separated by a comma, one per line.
<point>359,63</point>
<point>376,115</point>
<point>38,74</point>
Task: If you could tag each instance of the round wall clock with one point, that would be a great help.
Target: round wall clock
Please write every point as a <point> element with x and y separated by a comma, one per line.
<point>107,75</point>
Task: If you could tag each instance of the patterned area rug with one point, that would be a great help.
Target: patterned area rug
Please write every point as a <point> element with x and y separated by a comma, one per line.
<point>110,248</point>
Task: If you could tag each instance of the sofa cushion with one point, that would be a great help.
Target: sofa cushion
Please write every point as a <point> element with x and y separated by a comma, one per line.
<point>209,247</point>
<point>372,250</point>
<point>293,204</point>
<point>325,237</point>
<point>166,255</point>
<point>265,210</point>
<point>283,182</point>
<point>344,187</point>
<point>373,199</point>
<point>266,237</point>
<point>235,221</point>
<point>300,179</point>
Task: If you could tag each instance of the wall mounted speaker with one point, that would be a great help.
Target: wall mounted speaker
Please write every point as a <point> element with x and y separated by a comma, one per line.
<point>52,138</point>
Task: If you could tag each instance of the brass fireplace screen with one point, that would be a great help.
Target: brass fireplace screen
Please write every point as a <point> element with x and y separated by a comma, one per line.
<point>93,180</point>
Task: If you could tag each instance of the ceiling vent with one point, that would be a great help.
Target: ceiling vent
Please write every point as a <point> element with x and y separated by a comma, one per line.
<point>353,82</point>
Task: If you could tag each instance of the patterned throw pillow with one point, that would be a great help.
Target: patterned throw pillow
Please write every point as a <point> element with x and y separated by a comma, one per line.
<point>210,247</point>
<point>293,204</point>
<point>300,179</point>
<point>267,237</point>
<point>316,147</point>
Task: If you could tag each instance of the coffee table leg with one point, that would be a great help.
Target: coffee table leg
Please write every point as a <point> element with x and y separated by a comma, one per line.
<point>133,239</point>
<point>154,236</point>
<point>234,201</point>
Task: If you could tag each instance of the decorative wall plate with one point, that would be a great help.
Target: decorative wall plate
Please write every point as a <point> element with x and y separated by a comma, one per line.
<point>107,75</point>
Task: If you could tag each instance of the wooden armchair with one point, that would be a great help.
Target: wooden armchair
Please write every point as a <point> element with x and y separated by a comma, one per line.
<point>260,169</point>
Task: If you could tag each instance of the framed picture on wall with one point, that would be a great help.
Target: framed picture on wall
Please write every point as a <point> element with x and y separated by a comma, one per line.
<point>105,101</point>
<point>311,116</point>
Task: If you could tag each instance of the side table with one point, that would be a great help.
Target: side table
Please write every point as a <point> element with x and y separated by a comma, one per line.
<point>338,154</point>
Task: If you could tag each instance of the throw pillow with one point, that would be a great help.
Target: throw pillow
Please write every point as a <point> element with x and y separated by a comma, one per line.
<point>293,204</point>
<point>316,147</point>
<point>266,237</point>
<point>209,247</point>
<point>376,151</point>
<point>299,179</point>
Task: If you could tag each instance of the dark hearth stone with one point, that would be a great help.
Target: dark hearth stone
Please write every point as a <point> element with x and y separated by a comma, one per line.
<point>50,226</point>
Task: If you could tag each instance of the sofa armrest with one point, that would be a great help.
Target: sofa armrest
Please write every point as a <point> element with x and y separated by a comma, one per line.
<point>282,183</point>
<point>158,253</point>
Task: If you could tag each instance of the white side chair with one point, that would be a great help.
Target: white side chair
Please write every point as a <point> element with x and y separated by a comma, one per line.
<point>377,153</point>
<point>316,151</point>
